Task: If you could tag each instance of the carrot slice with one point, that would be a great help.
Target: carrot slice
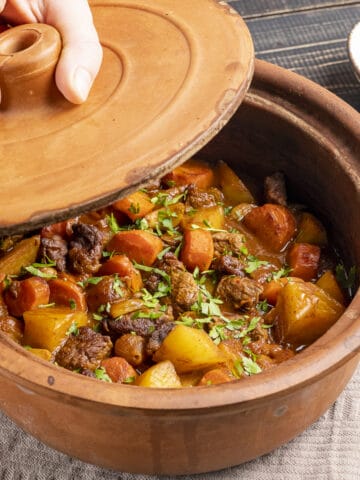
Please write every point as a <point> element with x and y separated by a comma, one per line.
<point>135,206</point>
<point>303,259</point>
<point>122,265</point>
<point>119,370</point>
<point>26,295</point>
<point>67,293</point>
<point>140,246</point>
<point>194,172</point>
<point>197,249</point>
<point>217,376</point>
<point>274,225</point>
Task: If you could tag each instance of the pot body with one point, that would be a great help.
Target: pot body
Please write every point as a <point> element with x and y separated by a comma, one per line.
<point>286,123</point>
<point>176,442</point>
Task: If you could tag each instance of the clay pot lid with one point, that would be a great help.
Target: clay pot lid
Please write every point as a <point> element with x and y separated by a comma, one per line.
<point>173,74</point>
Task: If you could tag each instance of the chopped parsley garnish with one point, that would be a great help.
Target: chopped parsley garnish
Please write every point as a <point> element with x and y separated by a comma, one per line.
<point>263,306</point>
<point>100,374</point>
<point>207,226</point>
<point>117,286</point>
<point>145,268</point>
<point>35,269</point>
<point>129,380</point>
<point>73,330</point>
<point>253,263</point>
<point>164,199</point>
<point>134,208</point>
<point>141,224</point>
<point>250,366</point>
<point>283,272</point>
<point>163,252</point>
<point>90,281</point>
<point>113,224</point>
<point>346,278</point>
<point>106,254</point>
<point>72,304</point>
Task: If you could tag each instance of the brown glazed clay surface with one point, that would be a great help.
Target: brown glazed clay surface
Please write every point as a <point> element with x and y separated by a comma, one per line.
<point>286,122</point>
<point>163,91</point>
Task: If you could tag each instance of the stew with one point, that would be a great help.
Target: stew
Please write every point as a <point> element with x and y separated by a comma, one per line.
<point>186,282</point>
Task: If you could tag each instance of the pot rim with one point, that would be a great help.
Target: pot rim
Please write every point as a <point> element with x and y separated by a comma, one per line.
<point>337,346</point>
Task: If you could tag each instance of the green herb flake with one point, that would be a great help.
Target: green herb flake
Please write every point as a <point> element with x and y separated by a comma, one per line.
<point>253,263</point>
<point>263,306</point>
<point>37,272</point>
<point>283,272</point>
<point>73,330</point>
<point>72,304</point>
<point>106,254</point>
<point>238,369</point>
<point>346,279</point>
<point>163,252</point>
<point>47,264</point>
<point>187,321</point>
<point>134,208</point>
<point>217,334</point>
<point>100,374</point>
<point>112,223</point>
<point>129,380</point>
<point>90,281</point>
<point>117,286</point>
<point>250,367</point>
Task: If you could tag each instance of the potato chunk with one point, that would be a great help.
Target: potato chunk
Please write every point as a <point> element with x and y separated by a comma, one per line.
<point>330,285</point>
<point>232,187</point>
<point>303,313</point>
<point>212,217</point>
<point>161,375</point>
<point>47,327</point>
<point>22,255</point>
<point>189,349</point>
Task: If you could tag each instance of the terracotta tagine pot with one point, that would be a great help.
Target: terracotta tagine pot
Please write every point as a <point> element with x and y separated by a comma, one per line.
<point>284,123</point>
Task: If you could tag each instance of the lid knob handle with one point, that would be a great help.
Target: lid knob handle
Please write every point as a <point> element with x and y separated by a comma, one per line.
<point>28,58</point>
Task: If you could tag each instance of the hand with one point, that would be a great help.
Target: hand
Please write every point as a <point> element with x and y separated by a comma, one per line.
<point>81,55</point>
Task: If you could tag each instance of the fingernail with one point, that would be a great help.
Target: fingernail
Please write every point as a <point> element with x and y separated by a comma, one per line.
<point>82,81</point>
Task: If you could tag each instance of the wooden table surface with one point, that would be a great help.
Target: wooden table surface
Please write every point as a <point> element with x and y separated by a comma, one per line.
<point>306,36</point>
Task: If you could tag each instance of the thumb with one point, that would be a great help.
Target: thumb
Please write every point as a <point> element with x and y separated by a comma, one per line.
<point>81,55</point>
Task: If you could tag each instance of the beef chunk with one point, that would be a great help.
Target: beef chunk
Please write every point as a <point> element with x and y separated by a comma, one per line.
<point>226,243</point>
<point>275,190</point>
<point>228,265</point>
<point>241,293</point>
<point>84,351</point>
<point>168,263</point>
<point>151,283</point>
<point>198,198</point>
<point>54,249</point>
<point>85,248</point>
<point>126,324</point>
<point>158,336</point>
<point>108,290</point>
<point>184,291</point>
<point>144,327</point>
